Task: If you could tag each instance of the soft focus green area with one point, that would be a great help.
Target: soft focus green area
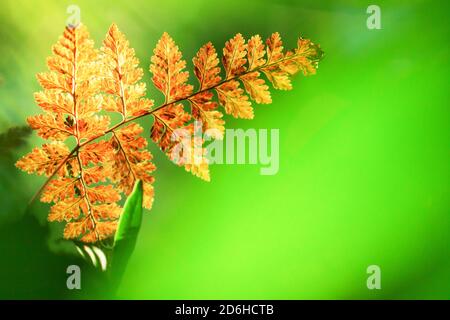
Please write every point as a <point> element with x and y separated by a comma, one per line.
<point>364,159</point>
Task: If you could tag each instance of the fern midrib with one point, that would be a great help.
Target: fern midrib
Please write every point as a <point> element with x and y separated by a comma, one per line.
<point>90,215</point>
<point>125,155</point>
<point>122,92</point>
<point>124,110</point>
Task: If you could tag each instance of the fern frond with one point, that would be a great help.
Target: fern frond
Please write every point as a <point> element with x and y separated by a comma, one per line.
<point>85,183</point>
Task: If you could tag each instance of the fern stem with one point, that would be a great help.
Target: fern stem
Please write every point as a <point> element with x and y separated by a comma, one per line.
<point>90,215</point>
<point>125,155</point>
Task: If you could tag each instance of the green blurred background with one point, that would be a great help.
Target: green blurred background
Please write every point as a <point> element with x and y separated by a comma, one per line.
<point>364,159</point>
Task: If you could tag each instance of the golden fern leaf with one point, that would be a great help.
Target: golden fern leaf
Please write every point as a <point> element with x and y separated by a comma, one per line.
<point>70,103</point>
<point>168,70</point>
<point>85,183</point>
<point>131,161</point>
<point>234,56</point>
<point>233,99</point>
<point>45,160</point>
<point>280,66</point>
<point>254,85</point>
<point>230,95</point>
<point>170,78</point>
<point>279,78</point>
<point>203,108</point>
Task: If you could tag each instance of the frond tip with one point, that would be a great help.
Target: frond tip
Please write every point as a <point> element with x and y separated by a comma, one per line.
<point>84,86</point>
<point>242,63</point>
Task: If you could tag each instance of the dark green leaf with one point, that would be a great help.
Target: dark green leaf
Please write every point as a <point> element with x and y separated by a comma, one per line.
<point>127,232</point>
<point>12,139</point>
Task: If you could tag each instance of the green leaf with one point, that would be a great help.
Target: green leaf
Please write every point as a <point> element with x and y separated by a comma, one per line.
<point>127,232</point>
<point>130,220</point>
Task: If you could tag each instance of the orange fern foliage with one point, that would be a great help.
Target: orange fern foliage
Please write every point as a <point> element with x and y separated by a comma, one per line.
<point>125,95</point>
<point>84,86</point>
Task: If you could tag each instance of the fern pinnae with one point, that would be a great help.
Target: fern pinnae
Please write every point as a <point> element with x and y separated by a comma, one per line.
<point>86,182</point>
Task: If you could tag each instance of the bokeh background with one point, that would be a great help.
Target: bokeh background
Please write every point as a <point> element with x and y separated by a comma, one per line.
<point>364,159</point>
